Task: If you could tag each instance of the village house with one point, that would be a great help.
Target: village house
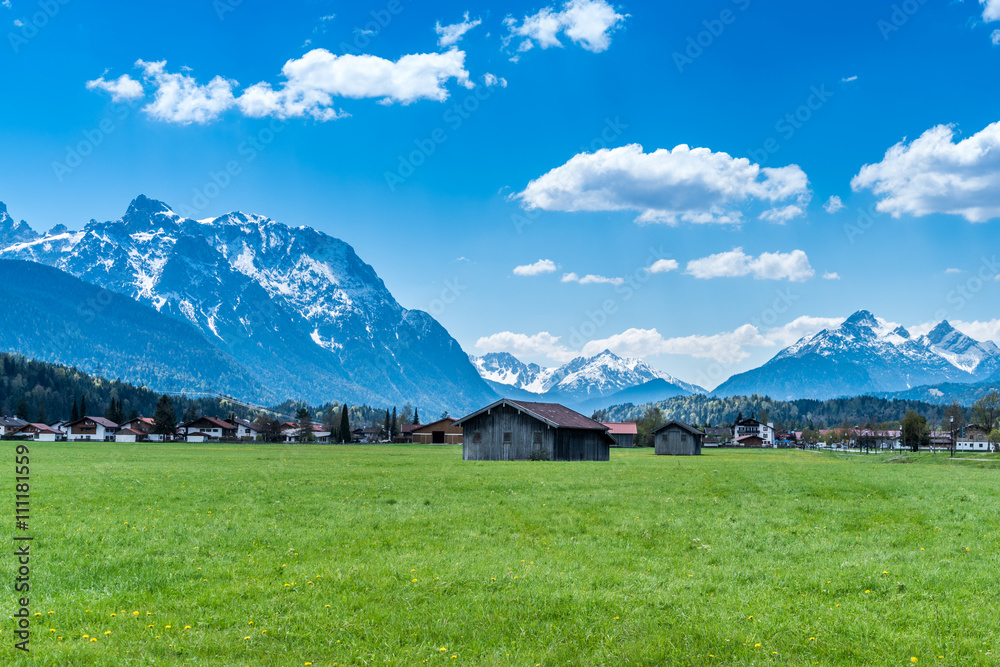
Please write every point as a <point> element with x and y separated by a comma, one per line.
<point>38,432</point>
<point>973,438</point>
<point>442,432</point>
<point>91,428</point>
<point>624,434</point>
<point>510,430</point>
<point>406,433</point>
<point>752,427</point>
<point>676,438</point>
<point>131,435</point>
<point>211,427</point>
<point>10,424</point>
<point>245,430</point>
<point>319,434</point>
<point>716,436</point>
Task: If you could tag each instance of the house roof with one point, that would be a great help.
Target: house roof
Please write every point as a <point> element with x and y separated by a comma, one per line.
<point>12,421</point>
<point>128,431</point>
<point>553,414</point>
<point>106,423</point>
<point>627,428</point>
<point>41,428</point>
<point>687,427</point>
<point>448,422</point>
<point>409,428</point>
<point>199,433</point>
<point>749,437</point>
<point>214,421</point>
<point>244,423</point>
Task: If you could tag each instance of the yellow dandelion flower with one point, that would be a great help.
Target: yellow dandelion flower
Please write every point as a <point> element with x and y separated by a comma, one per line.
<point>135,613</point>
<point>443,649</point>
<point>913,660</point>
<point>414,581</point>
<point>756,645</point>
<point>107,632</point>
<point>187,627</point>
<point>167,627</point>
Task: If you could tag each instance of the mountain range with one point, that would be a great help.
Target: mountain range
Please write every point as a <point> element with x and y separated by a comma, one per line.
<point>297,311</point>
<point>584,383</point>
<point>868,355</point>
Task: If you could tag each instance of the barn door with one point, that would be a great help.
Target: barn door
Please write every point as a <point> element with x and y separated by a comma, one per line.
<point>437,438</point>
<point>507,440</point>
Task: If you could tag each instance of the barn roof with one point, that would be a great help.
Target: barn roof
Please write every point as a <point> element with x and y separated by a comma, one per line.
<point>628,428</point>
<point>687,427</point>
<point>553,414</point>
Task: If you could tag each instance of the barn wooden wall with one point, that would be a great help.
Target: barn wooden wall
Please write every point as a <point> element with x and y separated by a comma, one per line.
<point>677,442</point>
<point>559,444</point>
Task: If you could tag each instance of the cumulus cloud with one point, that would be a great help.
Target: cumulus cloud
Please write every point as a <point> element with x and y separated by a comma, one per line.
<point>588,23</point>
<point>934,174</point>
<point>541,344</point>
<point>669,186</point>
<point>831,275</point>
<point>591,279</point>
<point>664,266</point>
<point>995,37</point>
<point>834,204</point>
<point>449,35</point>
<point>181,99</point>
<point>953,271</point>
<point>539,268</point>
<point>312,85</point>
<point>991,10</point>
<point>122,89</point>
<point>493,80</point>
<point>849,79</point>
<point>793,266</point>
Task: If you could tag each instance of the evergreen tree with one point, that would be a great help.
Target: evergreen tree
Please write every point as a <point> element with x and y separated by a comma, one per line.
<point>165,417</point>
<point>75,414</point>
<point>132,415</point>
<point>190,413</point>
<point>83,405</point>
<point>395,424</point>
<point>22,409</point>
<point>345,425</point>
<point>41,416</point>
<point>416,416</point>
<point>387,426</point>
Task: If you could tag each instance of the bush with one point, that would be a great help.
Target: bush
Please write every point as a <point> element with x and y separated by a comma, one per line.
<point>539,455</point>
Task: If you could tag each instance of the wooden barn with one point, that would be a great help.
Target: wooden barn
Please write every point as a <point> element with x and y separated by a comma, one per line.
<point>442,432</point>
<point>678,439</point>
<point>624,434</point>
<point>512,430</point>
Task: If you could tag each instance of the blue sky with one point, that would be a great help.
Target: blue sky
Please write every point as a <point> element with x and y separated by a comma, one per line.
<point>786,102</point>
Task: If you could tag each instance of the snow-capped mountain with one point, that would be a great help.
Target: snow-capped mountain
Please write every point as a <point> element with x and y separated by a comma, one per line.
<point>577,381</point>
<point>14,232</point>
<point>297,307</point>
<point>867,354</point>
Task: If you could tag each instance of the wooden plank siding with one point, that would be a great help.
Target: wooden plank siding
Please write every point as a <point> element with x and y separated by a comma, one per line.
<point>507,434</point>
<point>676,440</point>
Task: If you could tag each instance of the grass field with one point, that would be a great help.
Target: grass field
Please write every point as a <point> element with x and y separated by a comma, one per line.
<point>405,555</point>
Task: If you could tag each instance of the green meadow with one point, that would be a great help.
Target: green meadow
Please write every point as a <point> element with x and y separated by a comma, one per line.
<point>406,555</point>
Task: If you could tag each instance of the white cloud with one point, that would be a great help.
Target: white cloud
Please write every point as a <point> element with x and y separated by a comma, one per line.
<point>953,271</point>
<point>981,331</point>
<point>541,344</point>
<point>315,79</point>
<point>19,23</point>
<point>933,174</point>
<point>312,83</point>
<point>834,204</point>
<point>991,10</point>
<point>591,279</point>
<point>664,266</point>
<point>540,267</point>
<point>849,79</point>
<point>682,185</point>
<point>793,266</point>
<point>180,99</point>
<point>831,275</point>
<point>122,89</point>
<point>6,3</point>
<point>588,23</point>
<point>995,37</point>
<point>449,35</point>
<point>493,80</point>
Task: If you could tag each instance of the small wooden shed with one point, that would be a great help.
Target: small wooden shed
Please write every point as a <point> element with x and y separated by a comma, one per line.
<point>678,439</point>
<point>510,430</point>
<point>624,434</point>
<point>442,432</point>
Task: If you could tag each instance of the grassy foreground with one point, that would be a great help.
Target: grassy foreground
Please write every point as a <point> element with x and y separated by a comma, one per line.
<point>405,555</point>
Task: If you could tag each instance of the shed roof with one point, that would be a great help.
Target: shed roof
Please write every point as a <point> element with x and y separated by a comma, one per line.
<point>553,414</point>
<point>687,427</point>
<point>627,428</point>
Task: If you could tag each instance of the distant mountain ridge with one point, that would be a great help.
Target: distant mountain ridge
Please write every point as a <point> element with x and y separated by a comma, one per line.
<point>299,310</point>
<point>582,382</point>
<point>867,355</point>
